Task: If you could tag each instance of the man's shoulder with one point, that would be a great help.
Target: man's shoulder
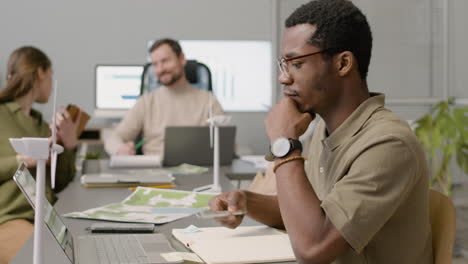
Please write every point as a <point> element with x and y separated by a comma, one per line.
<point>196,90</point>
<point>383,129</point>
<point>385,123</point>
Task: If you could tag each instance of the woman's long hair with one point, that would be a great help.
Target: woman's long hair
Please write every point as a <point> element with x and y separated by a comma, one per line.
<point>22,68</point>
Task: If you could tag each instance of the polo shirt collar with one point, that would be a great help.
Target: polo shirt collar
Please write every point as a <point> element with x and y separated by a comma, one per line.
<point>354,122</point>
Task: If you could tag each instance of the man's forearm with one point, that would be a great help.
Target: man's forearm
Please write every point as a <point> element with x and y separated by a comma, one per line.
<point>264,209</point>
<point>112,143</point>
<point>315,238</point>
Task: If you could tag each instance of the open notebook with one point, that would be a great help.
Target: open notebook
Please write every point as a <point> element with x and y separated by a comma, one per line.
<point>245,244</point>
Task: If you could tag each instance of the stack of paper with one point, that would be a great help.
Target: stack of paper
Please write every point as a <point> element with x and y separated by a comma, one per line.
<point>135,161</point>
<point>246,244</point>
<point>128,178</point>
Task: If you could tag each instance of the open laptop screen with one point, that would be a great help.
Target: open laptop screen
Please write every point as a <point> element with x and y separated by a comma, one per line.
<point>53,221</point>
<point>191,144</point>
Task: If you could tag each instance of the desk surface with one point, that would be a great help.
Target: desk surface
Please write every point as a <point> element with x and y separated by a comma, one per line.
<point>78,198</point>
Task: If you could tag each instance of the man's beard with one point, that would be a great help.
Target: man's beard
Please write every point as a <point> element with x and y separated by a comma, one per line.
<point>174,78</point>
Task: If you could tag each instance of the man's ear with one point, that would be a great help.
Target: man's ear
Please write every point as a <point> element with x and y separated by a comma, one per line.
<point>182,59</point>
<point>344,62</point>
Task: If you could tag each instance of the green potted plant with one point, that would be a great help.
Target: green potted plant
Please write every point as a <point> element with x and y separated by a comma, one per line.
<point>444,134</point>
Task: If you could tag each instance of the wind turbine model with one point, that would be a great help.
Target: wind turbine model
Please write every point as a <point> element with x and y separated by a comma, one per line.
<point>39,149</point>
<point>215,122</point>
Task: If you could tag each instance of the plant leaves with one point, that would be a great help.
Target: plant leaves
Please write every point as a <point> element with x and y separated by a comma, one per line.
<point>444,133</point>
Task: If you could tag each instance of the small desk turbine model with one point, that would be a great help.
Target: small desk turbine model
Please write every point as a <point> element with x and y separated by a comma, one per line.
<point>39,149</point>
<point>215,122</point>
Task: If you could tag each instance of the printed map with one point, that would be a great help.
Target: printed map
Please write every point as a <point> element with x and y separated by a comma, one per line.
<point>149,205</point>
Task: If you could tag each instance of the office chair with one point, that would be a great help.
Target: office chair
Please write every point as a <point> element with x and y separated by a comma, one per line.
<point>442,214</point>
<point>197,74</point>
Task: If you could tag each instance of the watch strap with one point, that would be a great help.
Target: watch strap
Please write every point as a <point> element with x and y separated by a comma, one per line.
<point>294,143</point>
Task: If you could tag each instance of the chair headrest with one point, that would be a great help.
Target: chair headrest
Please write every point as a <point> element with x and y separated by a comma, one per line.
<point>191,69</point>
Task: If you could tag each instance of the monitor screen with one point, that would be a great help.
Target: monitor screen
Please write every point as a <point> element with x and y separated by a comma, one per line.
<point>117,86</point>
<point>242,77</point>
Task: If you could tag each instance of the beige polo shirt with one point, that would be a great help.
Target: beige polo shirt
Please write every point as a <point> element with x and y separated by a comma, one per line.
<point>371,177</point>
<point>153,112</point>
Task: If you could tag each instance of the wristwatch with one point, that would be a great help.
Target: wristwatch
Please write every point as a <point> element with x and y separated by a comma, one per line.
<point>281,147</point>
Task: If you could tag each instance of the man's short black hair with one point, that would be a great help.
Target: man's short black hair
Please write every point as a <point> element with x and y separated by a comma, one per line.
<point>340,26</point>
<point>174,44</point>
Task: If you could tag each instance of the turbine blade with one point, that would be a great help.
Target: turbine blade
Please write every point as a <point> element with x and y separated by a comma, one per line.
<point>211,122</point>
<point>54,114</point>
<point>53,166</point>
<point>54,139</point>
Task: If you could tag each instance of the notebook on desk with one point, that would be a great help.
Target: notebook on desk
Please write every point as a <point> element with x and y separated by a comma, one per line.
<point>245,244</point>
<point>122,248</point>
<point>129,178</point>
<point>135,161</point>
<point>191,144</point>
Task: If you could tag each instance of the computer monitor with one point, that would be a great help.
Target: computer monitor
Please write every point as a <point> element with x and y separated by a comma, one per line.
<point>117,86</point>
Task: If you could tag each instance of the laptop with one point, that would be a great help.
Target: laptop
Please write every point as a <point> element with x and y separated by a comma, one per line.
<point>191,144</point>
<point>121,248</point>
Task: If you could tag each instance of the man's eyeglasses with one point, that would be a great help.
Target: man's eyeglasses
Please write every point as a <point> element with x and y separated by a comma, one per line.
<point>284,63</point>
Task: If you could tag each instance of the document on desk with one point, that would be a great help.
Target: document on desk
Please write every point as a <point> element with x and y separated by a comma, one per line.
<point>149,177</point>
<point>135,161</point>
<point>257,160</point>
<point>245,244</point>
<point>149,205</point>
<point>185,168</point>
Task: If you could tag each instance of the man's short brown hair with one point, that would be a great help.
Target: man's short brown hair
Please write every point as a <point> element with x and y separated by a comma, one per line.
<point>174,44</point>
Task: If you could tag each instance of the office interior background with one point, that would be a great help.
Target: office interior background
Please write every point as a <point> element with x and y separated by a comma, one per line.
<point>418,55</point>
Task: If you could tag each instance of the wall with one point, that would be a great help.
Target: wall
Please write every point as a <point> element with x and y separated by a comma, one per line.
<point>459,42</point>
<point>406,62</point>
<point>77,35</point>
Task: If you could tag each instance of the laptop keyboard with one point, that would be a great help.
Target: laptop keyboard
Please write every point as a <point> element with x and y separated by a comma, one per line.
<point>119,249</point>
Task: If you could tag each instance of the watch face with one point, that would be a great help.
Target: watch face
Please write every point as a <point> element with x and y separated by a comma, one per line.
<point>280,147</point>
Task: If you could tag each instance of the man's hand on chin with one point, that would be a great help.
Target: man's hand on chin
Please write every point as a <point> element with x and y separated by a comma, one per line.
<point>285,120</point>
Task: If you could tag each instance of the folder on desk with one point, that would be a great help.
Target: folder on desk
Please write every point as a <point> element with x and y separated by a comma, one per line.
<point>114,179</point>
<point>245,244</point>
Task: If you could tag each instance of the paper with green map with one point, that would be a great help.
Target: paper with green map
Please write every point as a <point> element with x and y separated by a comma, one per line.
<point>149,205</point>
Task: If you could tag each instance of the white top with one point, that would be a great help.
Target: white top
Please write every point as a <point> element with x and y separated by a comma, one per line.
<point>153,112</point>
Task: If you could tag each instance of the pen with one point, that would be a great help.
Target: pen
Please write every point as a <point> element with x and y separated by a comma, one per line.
<point>167,186</point>
<point>139,144</point>
<point>212,214</point>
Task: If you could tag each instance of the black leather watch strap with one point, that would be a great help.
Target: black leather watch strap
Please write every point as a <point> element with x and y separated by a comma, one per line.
<point>295,144</point>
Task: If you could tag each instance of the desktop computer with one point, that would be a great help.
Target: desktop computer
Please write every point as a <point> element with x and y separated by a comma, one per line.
<point>117,89</point>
